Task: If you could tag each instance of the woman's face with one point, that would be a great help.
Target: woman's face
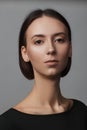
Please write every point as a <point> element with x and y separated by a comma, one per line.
<point>48,46</point>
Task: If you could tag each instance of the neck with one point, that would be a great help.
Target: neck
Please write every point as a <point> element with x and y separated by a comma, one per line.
<point>47,91</point>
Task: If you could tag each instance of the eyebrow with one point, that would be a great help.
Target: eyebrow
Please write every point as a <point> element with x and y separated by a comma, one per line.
<point>55,34</point>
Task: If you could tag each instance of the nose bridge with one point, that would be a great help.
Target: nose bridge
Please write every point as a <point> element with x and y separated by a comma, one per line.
<point>50,46</point>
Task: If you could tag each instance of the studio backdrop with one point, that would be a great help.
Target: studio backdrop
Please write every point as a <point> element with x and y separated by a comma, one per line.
<point>13,86</point>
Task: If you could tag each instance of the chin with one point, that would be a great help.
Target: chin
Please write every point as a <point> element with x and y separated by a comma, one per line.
<point>53,75</point>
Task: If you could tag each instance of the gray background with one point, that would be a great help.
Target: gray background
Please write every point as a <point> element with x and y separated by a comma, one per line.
<point>13,86</point>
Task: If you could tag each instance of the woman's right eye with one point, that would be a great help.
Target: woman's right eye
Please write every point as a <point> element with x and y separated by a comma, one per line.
<point>38,42</point>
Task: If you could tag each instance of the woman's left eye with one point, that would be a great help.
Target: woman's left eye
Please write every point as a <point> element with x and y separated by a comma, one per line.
<point>60,40</point>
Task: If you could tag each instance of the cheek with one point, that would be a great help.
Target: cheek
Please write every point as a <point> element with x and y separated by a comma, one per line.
<point>34,54</point>
<point>63,58</point>
<point>64,52</point>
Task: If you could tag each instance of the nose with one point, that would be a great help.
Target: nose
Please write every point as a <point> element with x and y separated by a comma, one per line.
<point>51,49</point>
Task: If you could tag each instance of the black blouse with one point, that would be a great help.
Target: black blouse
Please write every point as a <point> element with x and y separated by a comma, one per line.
<point>73,119</point>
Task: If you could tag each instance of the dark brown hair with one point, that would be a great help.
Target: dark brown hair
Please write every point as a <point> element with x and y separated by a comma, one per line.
<point>26,67</point>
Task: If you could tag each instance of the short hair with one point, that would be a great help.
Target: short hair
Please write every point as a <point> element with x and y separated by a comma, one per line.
<point>26,67</point>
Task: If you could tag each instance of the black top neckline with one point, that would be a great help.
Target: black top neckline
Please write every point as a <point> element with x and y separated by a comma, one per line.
<point>72,119</point>
<point>44,115</point>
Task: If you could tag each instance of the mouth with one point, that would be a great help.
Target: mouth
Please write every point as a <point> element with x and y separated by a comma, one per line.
<point>51,62</point>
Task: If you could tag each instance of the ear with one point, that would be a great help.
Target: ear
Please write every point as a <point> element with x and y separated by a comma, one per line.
<point>24,54</point>
<point>70,51</point>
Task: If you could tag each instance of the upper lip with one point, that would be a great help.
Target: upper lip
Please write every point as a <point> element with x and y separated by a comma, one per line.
<point>51,61</point>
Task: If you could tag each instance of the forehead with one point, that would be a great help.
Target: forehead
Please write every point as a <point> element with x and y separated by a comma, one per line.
<point>46,25</point>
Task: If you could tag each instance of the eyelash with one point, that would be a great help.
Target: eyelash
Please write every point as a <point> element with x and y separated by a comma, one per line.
<point>58,40</point>
<point>38,42</point>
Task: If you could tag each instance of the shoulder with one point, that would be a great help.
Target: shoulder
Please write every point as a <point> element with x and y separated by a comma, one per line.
<point>79,107</point>
<point>80,103</point>
<point>6,120</point>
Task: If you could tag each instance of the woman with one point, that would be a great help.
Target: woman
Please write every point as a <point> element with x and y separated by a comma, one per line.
<point>45,53</point>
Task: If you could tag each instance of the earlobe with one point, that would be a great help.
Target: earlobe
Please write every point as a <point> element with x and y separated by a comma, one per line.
<point>24,54</point>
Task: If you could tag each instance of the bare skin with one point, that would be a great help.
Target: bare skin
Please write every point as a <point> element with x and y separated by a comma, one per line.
<point>46,41</point>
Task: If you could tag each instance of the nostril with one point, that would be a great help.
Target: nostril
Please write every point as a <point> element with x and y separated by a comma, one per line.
<point>51,51</point>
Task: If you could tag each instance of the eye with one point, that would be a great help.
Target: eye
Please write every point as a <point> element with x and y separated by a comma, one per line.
<point>38,42</point>
<point>60,40</point>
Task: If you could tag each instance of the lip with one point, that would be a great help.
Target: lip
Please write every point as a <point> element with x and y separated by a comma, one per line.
<point>51,62</point>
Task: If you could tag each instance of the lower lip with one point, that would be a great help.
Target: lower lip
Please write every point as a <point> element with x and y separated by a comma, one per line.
<point>51,63</point>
